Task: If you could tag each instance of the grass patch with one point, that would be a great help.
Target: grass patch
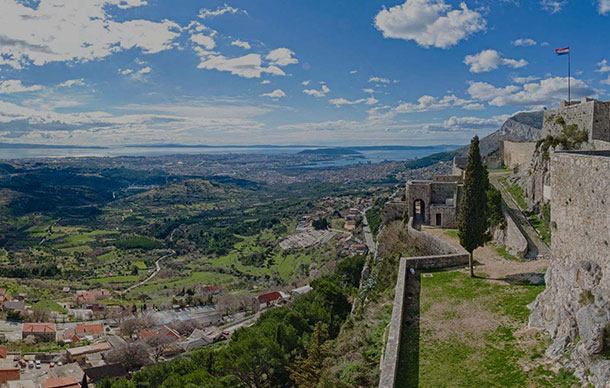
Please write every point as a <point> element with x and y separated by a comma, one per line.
<point>115,279</point>
<point>501,249</point>
<point>452,233</point>
<point>49,305</point>
<point>140,264</point>
<point>481,345</point>
<point>516,192</point>
<point>541,226</point>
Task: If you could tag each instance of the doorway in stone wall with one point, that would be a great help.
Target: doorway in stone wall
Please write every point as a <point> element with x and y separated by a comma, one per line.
<point>438,219</point>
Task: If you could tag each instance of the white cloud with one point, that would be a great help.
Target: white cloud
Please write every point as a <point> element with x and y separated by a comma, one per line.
<point>353,71</point>
<point>305,83</point>
<point>379,80</point>
<point>15,86</point>
<point>553,6</point>
<point>145,70</point>
<point>524,80</point>
<point>429,23</point>
<point>265,82</point>
<point>429,103</point>
<point>73,30</point>
<point>338,102</point>
<point>317,93</point>
<point>455,124</point>
<point>206,13</point>
<point>604,66</point>
<point>474,106</point>
<point>488,60</point>
<point>277,93</point>
<point>281,57</point>
<point>125,71</point>
<point>546,92</point>
<point>368,90</point>
<point>204,40</point>
<point>247,66</point>
<point>604,7</point>
<point>524,42</point>
<point>242,44</point>
<point>72,82</point>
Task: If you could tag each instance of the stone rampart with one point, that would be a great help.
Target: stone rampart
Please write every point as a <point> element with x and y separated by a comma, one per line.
<point>575,306</point>
<point>512,237</point>
<point>518,155</point>
<point>393,211</point>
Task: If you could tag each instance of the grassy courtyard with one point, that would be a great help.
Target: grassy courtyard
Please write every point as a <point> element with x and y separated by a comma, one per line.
<point>472,333</point>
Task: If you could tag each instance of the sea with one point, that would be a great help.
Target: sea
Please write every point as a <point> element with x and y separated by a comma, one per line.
<point>368,154</point>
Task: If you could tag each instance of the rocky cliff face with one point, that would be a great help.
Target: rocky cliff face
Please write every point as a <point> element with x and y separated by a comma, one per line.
<point>521,127</point>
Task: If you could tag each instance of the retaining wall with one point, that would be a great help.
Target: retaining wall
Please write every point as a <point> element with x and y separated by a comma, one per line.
<point>512,237</point>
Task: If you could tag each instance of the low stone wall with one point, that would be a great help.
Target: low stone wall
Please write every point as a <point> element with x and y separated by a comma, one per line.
<point>512,237</point>
<point>450,256</point>
<point>389,362</point>
<point>430,244</point>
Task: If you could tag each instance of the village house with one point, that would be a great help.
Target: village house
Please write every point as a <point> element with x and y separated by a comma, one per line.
<point>84,331</point>
<point>45,332</point>
<point>72,370</point>
<point>8,374</point>
<point>90,297</point>
<point>99,373</point>
<point>61,382</point>
<point>80,353</point>
<point>14,305</point>
<point>21,384</point>
<point>270,299</point>
<point>207,290</point>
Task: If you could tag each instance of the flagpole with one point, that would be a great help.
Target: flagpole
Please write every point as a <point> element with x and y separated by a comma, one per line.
<point>569,96</point>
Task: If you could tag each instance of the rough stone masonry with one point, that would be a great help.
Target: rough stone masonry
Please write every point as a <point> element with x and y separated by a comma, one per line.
<point>575,307</point>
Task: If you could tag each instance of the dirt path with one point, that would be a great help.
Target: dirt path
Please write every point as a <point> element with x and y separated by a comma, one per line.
<point>157,270</point>
<point>489,262</point>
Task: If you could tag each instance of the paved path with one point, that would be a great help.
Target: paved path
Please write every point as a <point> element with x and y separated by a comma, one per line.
<point>367,233</point>
<point>536,247</point>
<point>157,270</point>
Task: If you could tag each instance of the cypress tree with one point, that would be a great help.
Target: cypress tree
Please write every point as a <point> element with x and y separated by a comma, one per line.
<point>473,211</point>
<point>84,383</point>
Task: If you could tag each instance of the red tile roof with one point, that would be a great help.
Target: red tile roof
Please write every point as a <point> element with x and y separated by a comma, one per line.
<point>147,333</point>
<point>39,328</point>
<point>89,328</point>
<point>61,382</point>
<point>270,297</point>
<point>9,374</point>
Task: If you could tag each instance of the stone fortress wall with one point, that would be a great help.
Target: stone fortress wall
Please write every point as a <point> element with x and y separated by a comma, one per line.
<point>517,155</point>
<point>575,307</point>
<point>588,114</point>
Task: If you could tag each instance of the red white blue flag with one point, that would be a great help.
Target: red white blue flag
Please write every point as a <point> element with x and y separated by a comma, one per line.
<point>562,51</point>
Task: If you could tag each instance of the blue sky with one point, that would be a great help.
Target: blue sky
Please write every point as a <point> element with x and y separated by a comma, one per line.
<point>343,72</point>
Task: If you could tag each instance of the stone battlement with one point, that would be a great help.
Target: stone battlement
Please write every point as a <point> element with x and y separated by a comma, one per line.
<point>589,114</point>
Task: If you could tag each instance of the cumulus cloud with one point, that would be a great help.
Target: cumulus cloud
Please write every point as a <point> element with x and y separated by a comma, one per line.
<point>145,70</point>
<point>429,103</point>
<point>368,90</point>
<point>524,42</point>
<point>604,67</point>
<point>265,82</point>
<point>353,71</point>
<point>277,93</point>
<point>15,86</point>
<point>281,57</point>
<point>338,102</point>
<point>305,83</point>
<point>247,66</point>
<point>73,30</point>
<point>604,7</point>
<point>204,40</point>
<point>225,9</point>
<point>317,92</point>
<point>488,60</point>
<point>553,6</point>
<point>546,92</point>
<point>455,124</point>
<point>379,80</point>
<point>430,23</point>
<point>242,44</point>
<point>523,80</point>
<point>72,82</point>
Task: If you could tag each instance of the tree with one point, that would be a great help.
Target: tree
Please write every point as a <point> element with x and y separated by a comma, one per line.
<point>472,221</point>
<point>159,344</point>
<point>84,383</point>
<point>308,370</point>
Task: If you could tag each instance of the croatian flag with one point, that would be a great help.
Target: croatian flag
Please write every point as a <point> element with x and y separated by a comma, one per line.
<point>562,51</point>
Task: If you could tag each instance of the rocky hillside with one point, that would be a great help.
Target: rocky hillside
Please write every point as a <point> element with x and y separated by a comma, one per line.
<point>526,126</point>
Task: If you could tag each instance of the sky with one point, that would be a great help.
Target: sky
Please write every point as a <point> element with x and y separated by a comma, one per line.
<point>314,72</point>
